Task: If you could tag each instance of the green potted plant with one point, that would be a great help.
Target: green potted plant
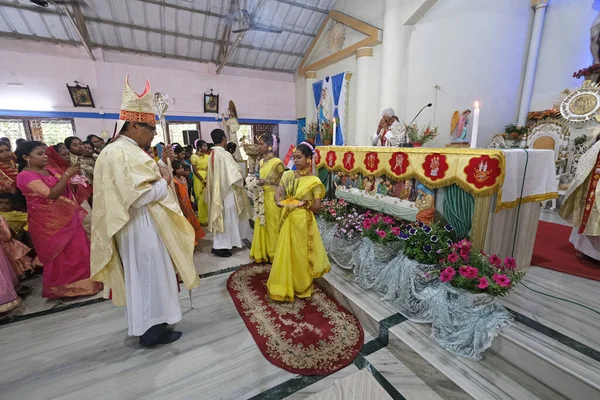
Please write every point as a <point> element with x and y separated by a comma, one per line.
<point>420,137</point>
<point>310,132</point>
<point>326,133</point>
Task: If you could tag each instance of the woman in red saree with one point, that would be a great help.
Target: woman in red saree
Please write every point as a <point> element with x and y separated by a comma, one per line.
<point>55,224</point>
<point>181,187</point>
<point>59,162</point>
<point>8,169</point>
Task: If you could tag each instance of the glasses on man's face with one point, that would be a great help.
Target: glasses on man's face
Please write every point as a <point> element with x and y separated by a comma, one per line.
<point>150,128</point>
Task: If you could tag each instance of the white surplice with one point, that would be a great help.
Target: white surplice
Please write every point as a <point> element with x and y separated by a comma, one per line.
<point>231,237</point>
<point>150,281</point>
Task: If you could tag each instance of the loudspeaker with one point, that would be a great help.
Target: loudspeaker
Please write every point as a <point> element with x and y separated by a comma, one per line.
<point>189,137</point>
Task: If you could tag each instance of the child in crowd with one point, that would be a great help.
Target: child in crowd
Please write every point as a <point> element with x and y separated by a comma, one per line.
<point>17,220</point>
<point>16,252</point>
<point>181,186</point>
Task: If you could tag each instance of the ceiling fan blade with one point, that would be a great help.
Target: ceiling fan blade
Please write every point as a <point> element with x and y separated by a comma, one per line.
<point>241,30</point>
<point>266,29</point>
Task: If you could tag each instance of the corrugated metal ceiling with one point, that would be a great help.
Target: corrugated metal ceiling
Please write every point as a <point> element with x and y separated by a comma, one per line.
<point>185,29</point>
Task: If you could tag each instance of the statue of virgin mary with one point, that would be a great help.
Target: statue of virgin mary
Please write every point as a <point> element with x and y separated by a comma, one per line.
<point>595,34</point>
<point>324,108</point>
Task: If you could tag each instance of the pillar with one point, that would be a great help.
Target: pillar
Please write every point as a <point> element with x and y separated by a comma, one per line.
<point>362,134</point>
<point>539,7</point>
<point>311,113</point>
<point>394,80</point>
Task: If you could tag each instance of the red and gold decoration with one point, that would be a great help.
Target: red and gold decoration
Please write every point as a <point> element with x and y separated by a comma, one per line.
<point>313,336</point>
<point>477,171</point>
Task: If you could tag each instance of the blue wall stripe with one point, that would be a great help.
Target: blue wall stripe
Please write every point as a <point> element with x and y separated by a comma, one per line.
<point>95,115</point>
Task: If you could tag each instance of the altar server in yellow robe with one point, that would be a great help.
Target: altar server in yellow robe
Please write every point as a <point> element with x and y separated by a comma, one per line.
<point>140,237</point>
<point>228,204</point>
<point>300,256</point>
<point>266,233</point>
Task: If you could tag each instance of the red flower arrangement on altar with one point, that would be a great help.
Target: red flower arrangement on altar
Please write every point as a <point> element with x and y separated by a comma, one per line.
<point>585,72</point>
<point>543,115</point>
<point>478,272</point>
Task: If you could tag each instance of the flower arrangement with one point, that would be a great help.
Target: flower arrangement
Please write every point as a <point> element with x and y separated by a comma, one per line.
<point>514,132</point>
<point>427,244</point>
<point>585,72</point>
<point>479,273</point>
<point>310,132</point>
<point>543,115</point>
<point>381,228</point>
<point>258,197</point>
<point>334,209</point>
<point>326,132</point>
<point>427,134</point>
<point>350,226</point>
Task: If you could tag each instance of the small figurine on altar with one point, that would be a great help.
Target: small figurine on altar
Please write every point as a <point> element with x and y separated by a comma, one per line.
<point>231,126</point>
<point>458,126</point>
<point>337,179</point>
<point>595,34</point>
<point>396,189</point>
<point>383,186</point>
<point>406,191</point>
<point>369,184</point>
<point>425,202</point>
<point>347,182</point>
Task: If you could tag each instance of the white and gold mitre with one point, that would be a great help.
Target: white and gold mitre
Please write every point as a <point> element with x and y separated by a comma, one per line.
<point>136,107</point>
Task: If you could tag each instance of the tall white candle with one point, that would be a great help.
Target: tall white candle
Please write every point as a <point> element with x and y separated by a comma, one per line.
<point>475,126</point>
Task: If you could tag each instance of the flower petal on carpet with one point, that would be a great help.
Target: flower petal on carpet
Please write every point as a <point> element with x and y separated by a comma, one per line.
<point>313,336</point>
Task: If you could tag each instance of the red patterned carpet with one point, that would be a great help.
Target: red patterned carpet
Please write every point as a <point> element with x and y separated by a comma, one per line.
<point>553,250</point>
<point>315,336</point>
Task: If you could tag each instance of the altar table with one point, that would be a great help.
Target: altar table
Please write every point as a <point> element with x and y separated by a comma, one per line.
<point>507,187</point>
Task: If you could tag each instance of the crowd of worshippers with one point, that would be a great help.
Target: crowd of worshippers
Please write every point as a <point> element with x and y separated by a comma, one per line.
<point>46,201</point>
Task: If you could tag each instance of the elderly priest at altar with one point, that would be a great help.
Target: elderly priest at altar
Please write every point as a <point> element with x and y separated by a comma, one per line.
<point>389,131</point>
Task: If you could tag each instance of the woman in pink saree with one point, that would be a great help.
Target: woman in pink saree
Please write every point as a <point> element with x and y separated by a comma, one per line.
<point>55,224</point>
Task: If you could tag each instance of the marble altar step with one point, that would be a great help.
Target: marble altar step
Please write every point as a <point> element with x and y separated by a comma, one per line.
<point>522,363</point>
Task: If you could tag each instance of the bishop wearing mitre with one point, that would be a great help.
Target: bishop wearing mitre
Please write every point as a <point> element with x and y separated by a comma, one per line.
<point>140,238</point>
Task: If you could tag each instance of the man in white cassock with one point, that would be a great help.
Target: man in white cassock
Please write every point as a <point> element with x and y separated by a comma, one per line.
<point>140,238</point>
<point>389,131</point>
<point>228,205</point>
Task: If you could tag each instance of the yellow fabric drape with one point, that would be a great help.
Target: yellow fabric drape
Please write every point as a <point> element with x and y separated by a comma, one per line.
<point>264,240</point>
<point>300,256</point>
<point>461,165</point>
<point>123,173</point>
<point>200,162</point>
<point>224,177</point>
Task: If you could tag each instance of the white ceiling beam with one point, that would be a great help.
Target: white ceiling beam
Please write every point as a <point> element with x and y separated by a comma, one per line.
<point>304,6</point>
<point>417,10</point>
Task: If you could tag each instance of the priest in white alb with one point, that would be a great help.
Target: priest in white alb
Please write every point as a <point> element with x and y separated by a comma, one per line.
<point>140,238</point>
<point>389,131</point>
<point>228,204</point>
<point>581,204</point>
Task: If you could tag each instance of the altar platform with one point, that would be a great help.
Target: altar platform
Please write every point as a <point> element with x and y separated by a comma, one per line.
<point>491,197</point>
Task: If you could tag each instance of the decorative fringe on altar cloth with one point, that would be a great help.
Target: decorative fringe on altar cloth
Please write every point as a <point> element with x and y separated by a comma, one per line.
<point>463,323</point>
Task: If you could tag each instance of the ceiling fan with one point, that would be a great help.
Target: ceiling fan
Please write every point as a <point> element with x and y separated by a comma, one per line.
<point>246,21</point>
<point>46,3</point>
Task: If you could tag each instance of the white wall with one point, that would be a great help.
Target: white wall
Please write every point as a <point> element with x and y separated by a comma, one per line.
<point>565,49</point>
<point>45,69</point>
<point>474,51</point>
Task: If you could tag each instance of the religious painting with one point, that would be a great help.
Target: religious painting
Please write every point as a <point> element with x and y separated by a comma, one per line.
<point>81,96</point>
<point>211,103</point>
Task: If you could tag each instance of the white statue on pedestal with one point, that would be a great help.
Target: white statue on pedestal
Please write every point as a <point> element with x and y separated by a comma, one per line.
<point>231,126</point>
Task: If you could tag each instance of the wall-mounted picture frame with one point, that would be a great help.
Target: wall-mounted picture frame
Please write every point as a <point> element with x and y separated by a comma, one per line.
<point>211,103</point>
<point>81,96</point>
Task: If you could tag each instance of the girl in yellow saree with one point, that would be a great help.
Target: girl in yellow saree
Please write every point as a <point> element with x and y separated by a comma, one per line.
<point>199,163</point>
<point>300,256</point>
<point>266,229</point>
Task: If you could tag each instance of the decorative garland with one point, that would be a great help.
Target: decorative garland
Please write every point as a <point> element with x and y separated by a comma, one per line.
<point>259,199</point>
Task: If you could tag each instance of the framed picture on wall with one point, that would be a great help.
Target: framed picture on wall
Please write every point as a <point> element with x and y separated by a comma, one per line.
<point>81,96</point>
<point>211,103</point>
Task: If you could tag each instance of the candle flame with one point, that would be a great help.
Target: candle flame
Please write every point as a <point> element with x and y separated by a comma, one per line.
<point>476,104</point>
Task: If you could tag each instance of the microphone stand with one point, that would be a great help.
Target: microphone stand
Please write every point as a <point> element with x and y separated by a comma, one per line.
<point>405,143</point>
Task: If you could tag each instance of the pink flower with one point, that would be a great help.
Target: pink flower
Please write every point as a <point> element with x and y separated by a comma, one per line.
<point>468,272</point>
<point>381,234</point>
<point>464,244</point>
<point>368,213</point>
<point>388,220</point>
<point>495,260</point>
<point>333,212</point>
<point>396,231</point>
<point>483,283</point>
<point>464,253</point>
<point>367,224</point>
<point>376,219</point>
<point>453,257</point>
<point>447,274</point>
<point>510,263</point>
<point>501,280</point>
